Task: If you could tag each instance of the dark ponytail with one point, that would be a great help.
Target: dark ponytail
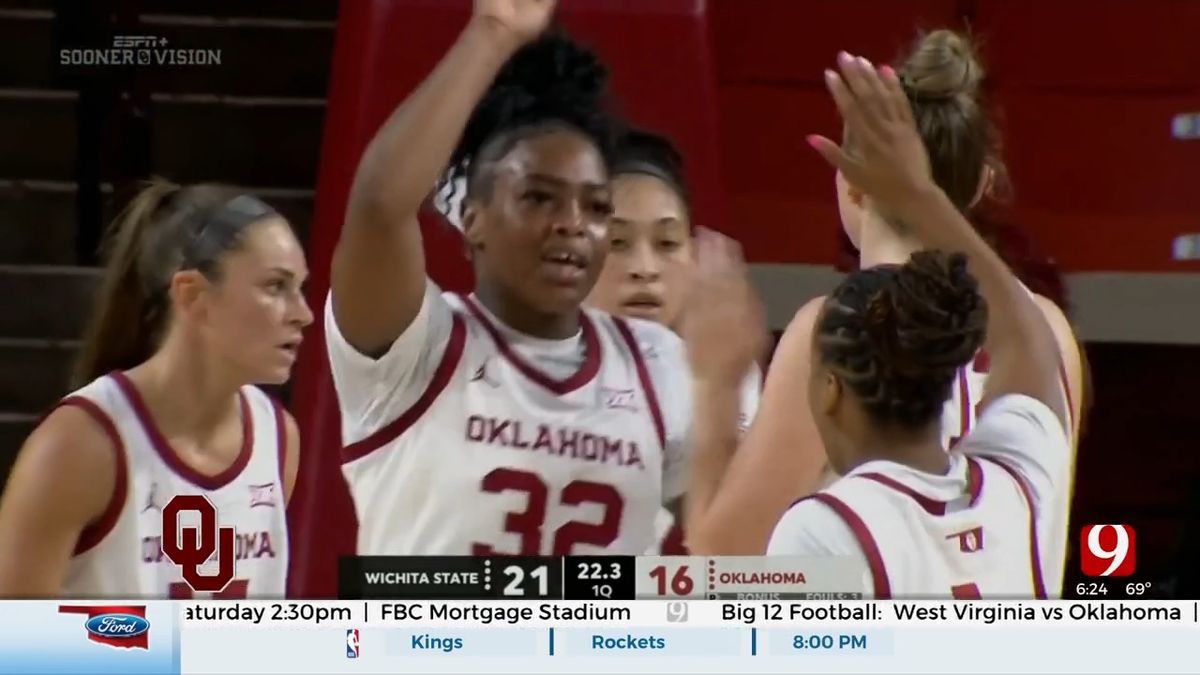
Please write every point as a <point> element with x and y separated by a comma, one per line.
<point>164,229</point>
<point>125,321</point>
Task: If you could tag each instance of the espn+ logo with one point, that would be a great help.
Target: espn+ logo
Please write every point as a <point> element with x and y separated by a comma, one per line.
<point>1108,550</point>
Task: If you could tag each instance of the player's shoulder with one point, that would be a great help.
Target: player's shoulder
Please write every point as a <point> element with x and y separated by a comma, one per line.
<point>797,337</point>
<point>77,437</point>
<point>811,526</point>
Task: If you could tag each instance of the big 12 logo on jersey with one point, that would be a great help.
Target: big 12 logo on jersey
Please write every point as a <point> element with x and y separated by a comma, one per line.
<point>1108,550</point>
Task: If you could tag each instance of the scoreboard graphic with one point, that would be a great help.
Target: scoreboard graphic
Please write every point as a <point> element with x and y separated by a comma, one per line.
<point>602,578</point>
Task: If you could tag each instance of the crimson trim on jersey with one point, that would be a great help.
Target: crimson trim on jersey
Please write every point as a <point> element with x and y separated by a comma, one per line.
<point>935,507</point>
<point>643,374</point>
<point>883,588</point>
<point>932,506</point>
<point>673,542</point>
<point>441,378</point>
<point>168,454</point>
<point>974,480</point>
<point>95,532</point>
<point>1035,559</point>
<point>587,370</point>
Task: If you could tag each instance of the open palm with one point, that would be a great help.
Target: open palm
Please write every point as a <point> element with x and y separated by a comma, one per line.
<point>525,19</point>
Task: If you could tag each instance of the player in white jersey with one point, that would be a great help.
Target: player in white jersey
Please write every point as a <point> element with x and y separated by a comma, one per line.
<point>781,457</point>
<point>645,275</point>
<point>886,350</point>
<point>510,421</point>
<point>201,298</point>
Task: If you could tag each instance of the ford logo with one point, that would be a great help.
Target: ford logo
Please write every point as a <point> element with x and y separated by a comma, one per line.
<point>117,625</point>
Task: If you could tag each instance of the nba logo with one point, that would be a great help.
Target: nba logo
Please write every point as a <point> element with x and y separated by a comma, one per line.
<point>352,643</point>
<point>1108,550</point>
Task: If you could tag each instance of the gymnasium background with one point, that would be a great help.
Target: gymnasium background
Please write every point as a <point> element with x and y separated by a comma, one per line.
<point>1098,102</point>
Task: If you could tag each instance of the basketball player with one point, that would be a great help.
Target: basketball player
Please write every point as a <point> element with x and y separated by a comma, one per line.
<point>510,421</point>
<point>201,298</point>
<point>645,275</point>
<point>781,457</point>
<point>887,346</point>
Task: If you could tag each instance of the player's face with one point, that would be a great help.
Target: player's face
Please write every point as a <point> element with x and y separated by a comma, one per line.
<point>542,237</point>
<point>254,314</point>
<point>649,251</point>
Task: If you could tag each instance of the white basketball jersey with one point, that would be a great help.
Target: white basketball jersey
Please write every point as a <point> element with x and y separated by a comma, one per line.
<point>961,415</point>
<point>982,544</point>
<point>497,457</point>
<point>121,556</point>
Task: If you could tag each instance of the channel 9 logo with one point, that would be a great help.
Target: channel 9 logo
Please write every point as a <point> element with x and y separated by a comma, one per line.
<point>1108,550</point>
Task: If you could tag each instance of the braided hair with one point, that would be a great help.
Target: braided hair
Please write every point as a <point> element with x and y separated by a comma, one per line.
<point>548,85</point>
<point>896,335</point>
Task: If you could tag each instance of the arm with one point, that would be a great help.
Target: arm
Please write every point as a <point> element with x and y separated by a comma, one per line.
<point>1072,360</point>
<point>736,498</point>
<point>723,329</point>
<point>291,460</point>
<point>63,480</point>
<point>378,270</point>
<point>892,166</point>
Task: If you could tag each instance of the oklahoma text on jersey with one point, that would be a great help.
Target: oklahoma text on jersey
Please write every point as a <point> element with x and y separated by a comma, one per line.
<point>460,443</point>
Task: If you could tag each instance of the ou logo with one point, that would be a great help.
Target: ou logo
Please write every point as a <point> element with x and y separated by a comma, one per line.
<point>191,547</point>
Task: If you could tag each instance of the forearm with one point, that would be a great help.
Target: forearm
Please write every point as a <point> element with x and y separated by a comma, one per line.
<point>714,440</point>
<point>411,150</point>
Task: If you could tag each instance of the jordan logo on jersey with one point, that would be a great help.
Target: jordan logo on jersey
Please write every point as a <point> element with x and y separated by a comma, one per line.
<point>152,499</point>
<point>262,495</point>
<point>969,541</point>
<point>482,376</point>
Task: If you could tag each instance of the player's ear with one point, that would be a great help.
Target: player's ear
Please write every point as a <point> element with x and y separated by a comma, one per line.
<point>830,393</point>
<point>187,292</point>
<point>472,232</point>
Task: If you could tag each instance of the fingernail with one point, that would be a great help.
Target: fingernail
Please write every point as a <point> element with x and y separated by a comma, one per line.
<point>830,76</point>
<point>813,140</point>
<point>888,72</point>
<point>864,62</point>
<point>843,58</point>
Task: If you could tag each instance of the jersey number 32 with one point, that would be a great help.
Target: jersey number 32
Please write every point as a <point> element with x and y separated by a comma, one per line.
<point>528,524</point>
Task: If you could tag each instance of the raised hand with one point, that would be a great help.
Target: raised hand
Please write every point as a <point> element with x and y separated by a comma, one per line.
<point>522,20</point>
<point>889,161</point>
<point>723,322</point>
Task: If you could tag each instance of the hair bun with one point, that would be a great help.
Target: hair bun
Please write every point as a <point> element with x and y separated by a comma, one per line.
<point>553,77</point>
<point>942,65</point>
<point>940,317</point>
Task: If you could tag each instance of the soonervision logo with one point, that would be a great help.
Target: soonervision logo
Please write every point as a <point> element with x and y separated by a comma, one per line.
<point>123,626</point>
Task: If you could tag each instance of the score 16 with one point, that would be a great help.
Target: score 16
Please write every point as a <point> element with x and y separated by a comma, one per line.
<point>684,577</point>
